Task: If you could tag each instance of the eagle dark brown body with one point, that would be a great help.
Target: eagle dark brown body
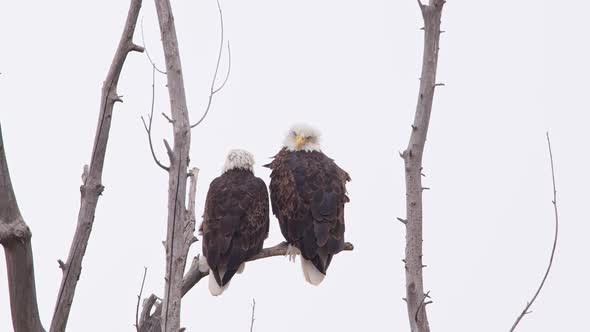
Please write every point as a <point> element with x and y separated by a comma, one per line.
<point>308,193</point>
<point>235,222</point>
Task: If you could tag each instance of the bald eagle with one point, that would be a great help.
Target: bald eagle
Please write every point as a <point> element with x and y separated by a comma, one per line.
<point>235,221</point>
<point>308,193</point>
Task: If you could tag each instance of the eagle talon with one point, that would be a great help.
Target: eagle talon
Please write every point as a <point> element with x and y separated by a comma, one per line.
<point>292,252</point>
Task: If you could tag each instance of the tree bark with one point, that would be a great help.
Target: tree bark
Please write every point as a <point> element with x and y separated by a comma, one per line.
<point>92,186</point>
<point>416,298</point>
<point>15,237</point>
<point>176,246</point>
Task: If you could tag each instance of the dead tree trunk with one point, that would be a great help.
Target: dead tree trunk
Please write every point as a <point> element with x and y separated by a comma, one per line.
<point>177,242</point>
<point>15,237</point>
<point>416,298</point>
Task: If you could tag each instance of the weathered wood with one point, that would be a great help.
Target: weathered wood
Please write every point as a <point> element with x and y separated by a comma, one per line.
<point>15,237</point>
<point>179,159</point>
<point>92,187</point>
<point>416,298</point>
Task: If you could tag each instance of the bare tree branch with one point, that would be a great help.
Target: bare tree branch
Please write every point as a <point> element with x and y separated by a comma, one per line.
<point>15,237</point>
<point>148,127</point>
<point>252,318</point>
<point>213,91</point>
<point>179,159</point>
<point>530,303</point>
<point>92,187</point>
<point>194,275</point>
<point>228,70</point>
<point>412,156</point>
<point>139,299</point>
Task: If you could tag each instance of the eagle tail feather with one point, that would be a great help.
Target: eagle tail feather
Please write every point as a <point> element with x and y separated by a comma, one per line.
<point>311,273</point>
<point>214,287</point>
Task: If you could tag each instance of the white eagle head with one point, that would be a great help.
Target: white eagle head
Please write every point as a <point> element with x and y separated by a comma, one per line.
<point>239,159</point>
<point>302,137</point>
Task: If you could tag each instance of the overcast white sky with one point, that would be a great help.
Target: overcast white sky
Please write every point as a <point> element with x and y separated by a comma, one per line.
<point>512,69</point>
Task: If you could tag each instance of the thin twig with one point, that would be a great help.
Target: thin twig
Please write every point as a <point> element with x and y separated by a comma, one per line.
<point>228,69</point>
<point>167,118</point>
<point>148,127</point>
<point>148,53</point>
<point>423,304</point>
<point>530,303</point>
<point>252,319</point>
<point>139,299</point>
<point>213,90</point>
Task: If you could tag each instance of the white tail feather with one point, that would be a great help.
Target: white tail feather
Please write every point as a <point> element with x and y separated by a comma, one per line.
<point>305,270</point>
<point>214,287</point>
<point>311,273</point>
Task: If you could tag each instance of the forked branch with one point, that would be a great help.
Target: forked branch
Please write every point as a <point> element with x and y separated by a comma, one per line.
<point>214,90</point>
<point>526,310</point>
<point>147,53</point>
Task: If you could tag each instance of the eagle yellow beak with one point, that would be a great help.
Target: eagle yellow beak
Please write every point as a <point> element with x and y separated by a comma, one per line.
<point>299,141</point>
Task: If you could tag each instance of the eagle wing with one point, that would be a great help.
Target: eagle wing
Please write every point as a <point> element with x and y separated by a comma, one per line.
<point>235,222</point>
<point>283,194</point>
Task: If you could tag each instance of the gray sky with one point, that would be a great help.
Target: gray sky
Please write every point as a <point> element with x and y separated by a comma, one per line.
<point>512,69</point>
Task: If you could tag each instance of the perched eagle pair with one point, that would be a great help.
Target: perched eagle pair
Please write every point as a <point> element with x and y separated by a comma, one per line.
<point>308,193</point>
